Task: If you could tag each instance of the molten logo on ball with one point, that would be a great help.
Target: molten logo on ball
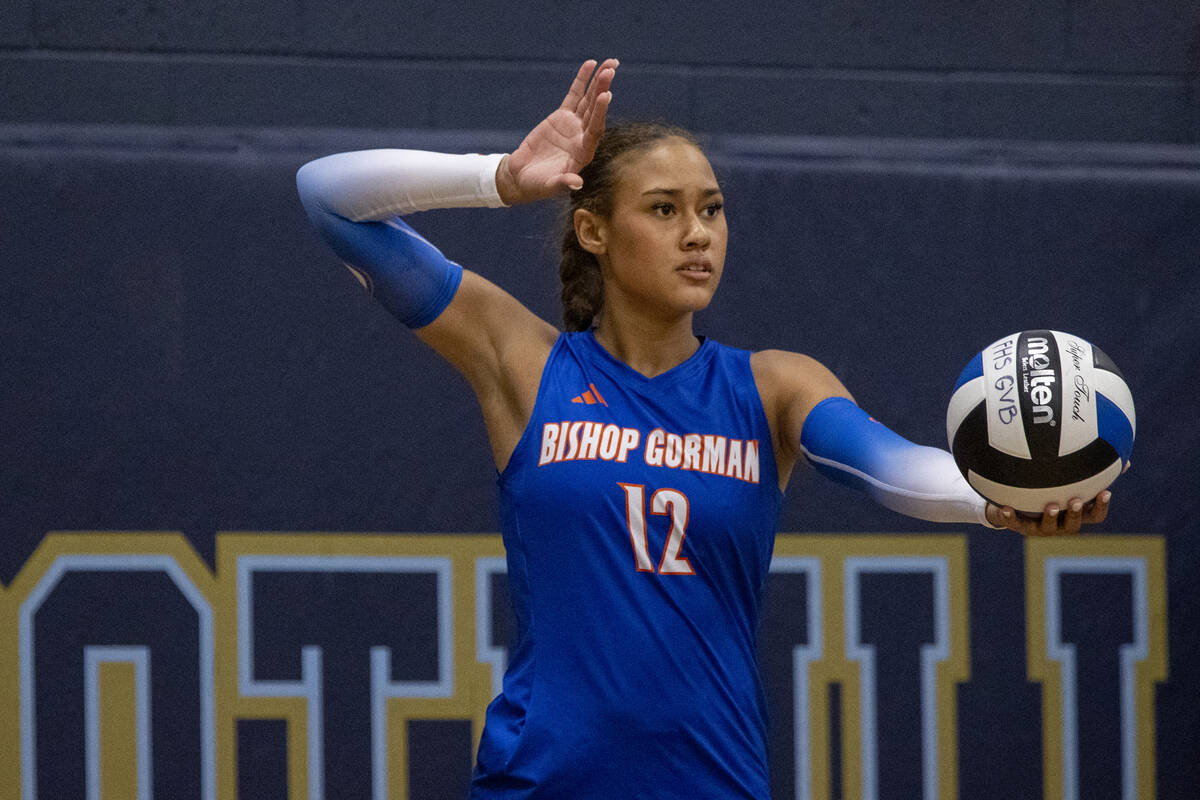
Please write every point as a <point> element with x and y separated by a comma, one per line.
<point>1039,380</point>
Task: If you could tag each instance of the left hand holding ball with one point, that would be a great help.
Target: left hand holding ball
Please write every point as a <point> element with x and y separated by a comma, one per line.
<point>1053,521</point>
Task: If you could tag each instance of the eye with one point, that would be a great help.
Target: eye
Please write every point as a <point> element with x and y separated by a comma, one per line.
<point>663,209</point>
<point>713,209</point>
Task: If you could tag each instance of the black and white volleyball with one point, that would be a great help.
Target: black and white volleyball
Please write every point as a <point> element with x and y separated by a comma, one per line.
<point>1040,417</point>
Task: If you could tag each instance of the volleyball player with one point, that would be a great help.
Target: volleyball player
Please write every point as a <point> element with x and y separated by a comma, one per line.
<point>641,467</point>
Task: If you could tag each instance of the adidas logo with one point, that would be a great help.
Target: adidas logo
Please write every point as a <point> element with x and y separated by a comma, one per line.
<point>591,396</point>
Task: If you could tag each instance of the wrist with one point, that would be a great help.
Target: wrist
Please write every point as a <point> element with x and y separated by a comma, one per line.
<point>506,184</point>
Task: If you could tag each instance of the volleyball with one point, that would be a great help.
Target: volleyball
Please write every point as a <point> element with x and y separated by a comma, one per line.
<point>1038,417</point>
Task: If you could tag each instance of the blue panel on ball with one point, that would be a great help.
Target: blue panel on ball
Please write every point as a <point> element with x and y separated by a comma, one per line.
<point>1114,427</point>
<point>973,370</point>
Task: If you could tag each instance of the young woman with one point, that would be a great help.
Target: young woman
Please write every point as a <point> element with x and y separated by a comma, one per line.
<point>641,467</point>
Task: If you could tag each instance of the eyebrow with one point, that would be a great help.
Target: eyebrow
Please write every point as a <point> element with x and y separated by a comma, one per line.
<point>676,192</point>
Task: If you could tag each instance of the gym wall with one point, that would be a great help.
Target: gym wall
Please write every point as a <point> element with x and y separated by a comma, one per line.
<point>229,481</point>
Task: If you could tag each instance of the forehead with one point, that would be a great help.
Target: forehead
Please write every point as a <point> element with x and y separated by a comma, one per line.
<point>670,164</point>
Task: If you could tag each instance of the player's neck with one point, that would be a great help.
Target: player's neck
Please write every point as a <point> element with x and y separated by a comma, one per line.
<point>649,346</point>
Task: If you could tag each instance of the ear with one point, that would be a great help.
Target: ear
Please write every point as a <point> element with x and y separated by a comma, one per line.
<point>591,231</point>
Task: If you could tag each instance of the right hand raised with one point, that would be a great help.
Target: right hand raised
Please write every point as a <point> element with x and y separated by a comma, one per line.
<point>549,159</point>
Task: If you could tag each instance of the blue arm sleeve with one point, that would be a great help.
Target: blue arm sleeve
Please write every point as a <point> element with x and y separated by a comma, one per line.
<point>399,268</point>
<point>847,446</point>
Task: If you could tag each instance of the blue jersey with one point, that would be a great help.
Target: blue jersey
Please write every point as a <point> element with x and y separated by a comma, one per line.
<point>639,517</point>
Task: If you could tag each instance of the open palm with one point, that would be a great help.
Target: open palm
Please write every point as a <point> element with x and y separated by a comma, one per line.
<point>549,159</point>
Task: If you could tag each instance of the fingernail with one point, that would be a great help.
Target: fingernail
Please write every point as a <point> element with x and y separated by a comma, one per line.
<point>1007,513</point>
<point>1077,506</point>
<point>1105,497</point>
<point>1053,512</point>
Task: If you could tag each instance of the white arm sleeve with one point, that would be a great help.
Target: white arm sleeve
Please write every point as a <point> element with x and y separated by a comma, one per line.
<point>846,445</point>
<point>376,185</point>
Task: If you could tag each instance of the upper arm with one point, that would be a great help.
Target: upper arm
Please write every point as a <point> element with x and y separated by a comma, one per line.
<point>486,333</point>
<point>501,348</point>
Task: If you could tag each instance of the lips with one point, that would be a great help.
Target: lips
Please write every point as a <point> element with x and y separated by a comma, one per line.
<point>697,266</point>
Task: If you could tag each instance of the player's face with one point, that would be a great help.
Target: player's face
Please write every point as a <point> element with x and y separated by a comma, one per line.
<point>664,242</point>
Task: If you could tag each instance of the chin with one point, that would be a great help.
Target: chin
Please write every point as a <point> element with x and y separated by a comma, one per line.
<point>694,306</point>
<point>700,297</point>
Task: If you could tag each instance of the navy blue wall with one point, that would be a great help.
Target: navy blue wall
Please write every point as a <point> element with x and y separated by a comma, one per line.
<point>182,353</point>
<point>1075,70</point>
<point>906,183</point>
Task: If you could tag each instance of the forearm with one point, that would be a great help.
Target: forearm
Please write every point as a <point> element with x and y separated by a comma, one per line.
<point>374,185</point>
<point>847,446</point>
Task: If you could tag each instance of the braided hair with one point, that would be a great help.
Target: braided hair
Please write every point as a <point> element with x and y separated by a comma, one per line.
<point>582,284</point>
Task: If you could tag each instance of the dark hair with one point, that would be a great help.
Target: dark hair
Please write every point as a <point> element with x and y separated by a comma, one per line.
<point>583,287</point>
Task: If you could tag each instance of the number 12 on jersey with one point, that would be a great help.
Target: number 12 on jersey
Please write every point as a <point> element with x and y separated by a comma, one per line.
<point>664,502</point>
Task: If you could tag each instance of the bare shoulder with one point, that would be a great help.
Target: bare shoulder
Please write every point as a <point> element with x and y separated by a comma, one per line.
<point>787,377</point>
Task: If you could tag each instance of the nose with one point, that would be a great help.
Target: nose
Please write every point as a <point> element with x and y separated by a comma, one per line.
<point>696,235</point>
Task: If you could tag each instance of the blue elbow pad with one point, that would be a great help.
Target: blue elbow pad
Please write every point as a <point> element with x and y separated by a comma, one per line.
<point>399,268</point>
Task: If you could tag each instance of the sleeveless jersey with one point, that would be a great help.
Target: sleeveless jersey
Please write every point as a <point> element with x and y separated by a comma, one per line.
<point>638,516</point>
